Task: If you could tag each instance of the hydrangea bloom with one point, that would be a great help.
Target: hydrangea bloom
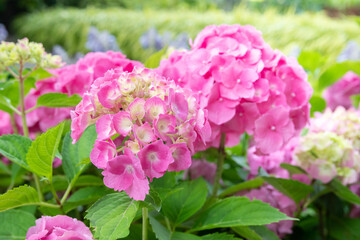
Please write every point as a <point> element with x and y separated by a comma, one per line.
<point>71,79</point>
<point>59,227</point>
<point>244,84</point>
<point>202,168</point>
<point>145,124</point>
<point>339,94</point>
<point>331,148</point>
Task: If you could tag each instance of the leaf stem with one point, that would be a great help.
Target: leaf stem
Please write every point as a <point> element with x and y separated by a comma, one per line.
<point>44,204</point>
<point>31,109</point>
<point>145,213</point>
<point>37,184</point>
<point>52,189</point>
<point>219,166</point>
<point>13,124</point>
<point>67,192</point>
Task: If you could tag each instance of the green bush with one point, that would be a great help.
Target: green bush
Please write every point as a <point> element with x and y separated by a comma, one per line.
<point>69,27</point>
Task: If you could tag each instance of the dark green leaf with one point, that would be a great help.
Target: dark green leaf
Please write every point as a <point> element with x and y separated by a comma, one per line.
<point>238,211</point>
<point>112,215</point>
<point>294,189</point>
<point>15,148</point>
<point>265,233</point>
<point>246,232</point>
<point>344,228</point>
<point>184,236</point>
<point>153,200</point>
<point>74,154</point>
<point>250,184</point>
<point>20,196</point>
<point>15,224</point>
<point>343,192</point>
<point>161,232</point>
<point>56,100</point>
<point>219,236</point>
<point>182,204</point>
<point>292,169</point>
<point>42,151</point>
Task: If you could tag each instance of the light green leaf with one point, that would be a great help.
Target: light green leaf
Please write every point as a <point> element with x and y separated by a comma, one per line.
<point>85,196</point>
<point>112,215</point>
<point>343,192</point>
<point>182,204</point>
<point>246,232</point>
<point>42,151</point>
<point>57,100</point>
<point>219,236</point>
<point>250,184</point>
<point>310,60</point>
<point>20,196</point>
<point>40,74</point>
<point>74,154</point>
<point>6,105</point>
<point>161,232</point>
<point>238,211</point>
<point>318,104</point>
<point>15,224</point>
<point>355,100</point>
<point>154,60</point>
<point>294,189</point>
<point>15,148</point>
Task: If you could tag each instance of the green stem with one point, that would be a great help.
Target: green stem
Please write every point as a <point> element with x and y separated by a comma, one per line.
<point>44,204</point>
<point>145,223</point>
<point>37,184</point>
<point>168,224</point>
<point>67,192</point>
<point>13,124</point>
<point>52,189</point>
<point>219,167</point>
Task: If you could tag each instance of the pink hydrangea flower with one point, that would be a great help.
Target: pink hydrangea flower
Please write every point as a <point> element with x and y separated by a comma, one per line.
<point>59,227</point>
<point>243,83</point>
<point>157,124</point>
<point>340,92</point>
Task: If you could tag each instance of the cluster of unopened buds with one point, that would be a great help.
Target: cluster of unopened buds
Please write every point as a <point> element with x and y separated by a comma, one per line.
<point>26,52</point>
<point>245,85</point>
<point>146,125</point>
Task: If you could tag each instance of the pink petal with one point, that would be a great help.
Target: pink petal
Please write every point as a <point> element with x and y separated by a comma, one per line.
<point>137,109</point>
<point>105,127</point>
<point>122,123</point>
<point>182,157</point>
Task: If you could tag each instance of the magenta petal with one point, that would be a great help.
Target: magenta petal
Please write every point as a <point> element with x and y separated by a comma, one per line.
<point>180,106</point>
<point>122,123</point>
<point>105,127</point>
<point>102,152</point>
<point>182,157</point>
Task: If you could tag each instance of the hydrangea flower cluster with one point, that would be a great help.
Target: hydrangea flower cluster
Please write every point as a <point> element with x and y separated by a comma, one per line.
<point>244,84</point>
<point>331,148</point>
<point>146,126</point>
<point>70,79</point>
<point>25,51</point>
<point>59,227</point>
<point>339,94</point>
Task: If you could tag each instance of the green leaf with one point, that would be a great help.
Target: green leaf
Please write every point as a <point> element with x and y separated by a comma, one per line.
<point>343,192</point>
<point>161,232</point>
<point>318,104</point>
<point>154,60</point>
<point>15,224</point>
<point>238,211</point>
<point>85,196</point>
<point>6,105</point>
<point>15,148</point>
<point>112,215</point>
<point>74,154</point>
<point>57,100</point>
<point>355,100</point>
<point>10,91</point>
<point>265,233</point>
<point>182,204</point>
<point>294,189</point>
<point>344,228</point>
<point>336,71</point>
<point>153,200</point>
<point>292,169</point>
<point>184,236</point>
<point>310,60</point>
<point>40,74</point>
<point>253,183</point>
<point>20,196</point>
<point>219,236</point>
<point>247,233</point>
<point>42,151</point>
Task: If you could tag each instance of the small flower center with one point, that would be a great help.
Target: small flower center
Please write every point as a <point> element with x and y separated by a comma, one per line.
<point>273,128</point>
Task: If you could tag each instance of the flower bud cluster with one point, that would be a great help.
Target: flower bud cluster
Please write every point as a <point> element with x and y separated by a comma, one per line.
<point>146,126</point>
<point>26,52</point>
<point>245,85</point>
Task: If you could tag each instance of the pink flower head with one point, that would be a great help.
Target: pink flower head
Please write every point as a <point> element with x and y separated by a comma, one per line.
<point>74,79</point>
<point>340,92</point>
<point>124,172</point>
<point>102,152</point>
<point>59,227</point>
<point>231,68</point>
<point>155,159</point>
<point>159,123</point>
